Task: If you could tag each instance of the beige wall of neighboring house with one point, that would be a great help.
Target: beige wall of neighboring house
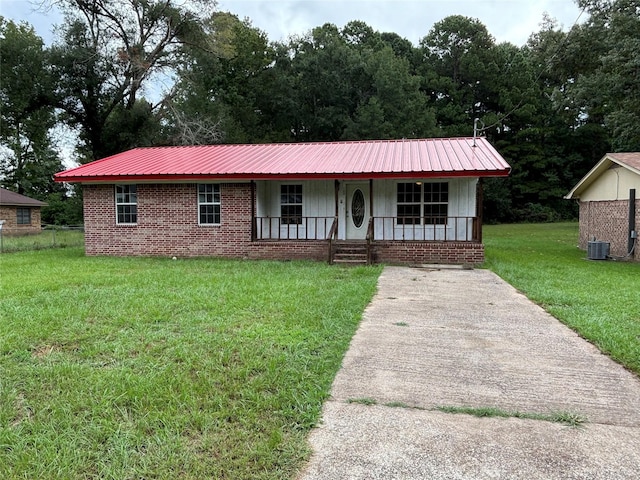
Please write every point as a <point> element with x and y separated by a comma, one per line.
<point>604,198</point>
<point>612,184</point>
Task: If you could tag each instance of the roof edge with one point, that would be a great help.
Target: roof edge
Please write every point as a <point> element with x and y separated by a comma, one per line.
<point>167,178</point>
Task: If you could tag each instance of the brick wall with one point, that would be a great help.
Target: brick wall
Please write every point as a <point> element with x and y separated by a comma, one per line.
<point>10,216</point>
<point>168,222</point>
<point>468,253</point>
<point>608,221</point>
<point>290,250</point>
<point>168,225</point>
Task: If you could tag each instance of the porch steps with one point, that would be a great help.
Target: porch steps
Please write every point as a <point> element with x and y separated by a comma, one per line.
<point>349,253</point>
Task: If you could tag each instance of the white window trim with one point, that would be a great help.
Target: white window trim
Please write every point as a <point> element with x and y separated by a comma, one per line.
<point>117,204</point>
<point>280,205</point>
<point>209,203</point>
<point>422,205</point>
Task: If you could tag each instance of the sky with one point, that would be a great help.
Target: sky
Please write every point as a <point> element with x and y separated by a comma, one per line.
<point>507,20</point>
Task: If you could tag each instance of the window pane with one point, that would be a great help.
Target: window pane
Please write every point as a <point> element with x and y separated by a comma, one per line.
<point>126,200</point>
<point>291,214</point>
<point>436,192</point>
<point>409,214</point>
<point>408,193</point>
<point>435,214</point>
<point>209,203</point>
<point>127,213</point>
<point>291,204</point>
<point>24,216</point>
<point>408,203</point>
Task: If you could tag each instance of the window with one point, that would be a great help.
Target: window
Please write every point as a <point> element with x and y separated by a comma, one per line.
<point>291,204</point>
<point>426,203</point>
<point>126,204</point>
<point>436,203</point>
<point>409,195</point>
<point>209,204</point>
<point>24,216</point>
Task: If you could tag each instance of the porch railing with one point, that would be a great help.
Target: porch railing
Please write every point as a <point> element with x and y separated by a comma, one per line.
<point>300,228</point>
<point>445,229</point>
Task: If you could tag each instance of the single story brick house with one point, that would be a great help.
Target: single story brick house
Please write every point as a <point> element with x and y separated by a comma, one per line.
<point>609,204</point>
<point>20,214</point>
<point>400,201</point>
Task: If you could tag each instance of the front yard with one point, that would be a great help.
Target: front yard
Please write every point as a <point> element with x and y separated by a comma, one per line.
<point>152,368</point>
<point>119,368</point>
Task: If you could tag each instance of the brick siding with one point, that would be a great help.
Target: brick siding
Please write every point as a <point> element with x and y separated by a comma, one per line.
<point>10,215</point>
<point>290,250</point>
<point>168,222</point>
<point>608,221</point>
<point>460,253</point>
<point>168,225</point>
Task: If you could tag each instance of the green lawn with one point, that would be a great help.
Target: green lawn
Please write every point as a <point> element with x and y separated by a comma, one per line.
<point>598,299</point>
<point>52,237</point>
<point>121,368</point>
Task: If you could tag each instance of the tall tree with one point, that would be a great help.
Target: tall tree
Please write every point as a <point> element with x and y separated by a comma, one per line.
<point>458,71</point>
<point>222,88</point>
<point>111,57</point>
<point>28,159</point>
<point>612,89</point>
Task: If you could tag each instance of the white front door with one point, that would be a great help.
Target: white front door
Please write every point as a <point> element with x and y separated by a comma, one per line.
<point>357,210</point>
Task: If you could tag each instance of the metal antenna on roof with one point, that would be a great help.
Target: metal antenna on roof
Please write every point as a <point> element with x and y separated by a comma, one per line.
<point>475,130</point>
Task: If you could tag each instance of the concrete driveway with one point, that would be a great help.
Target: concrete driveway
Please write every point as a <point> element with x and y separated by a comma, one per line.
<point>465,338</point>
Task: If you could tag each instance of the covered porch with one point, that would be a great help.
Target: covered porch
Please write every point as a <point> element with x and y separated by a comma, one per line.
<point>379,220</point>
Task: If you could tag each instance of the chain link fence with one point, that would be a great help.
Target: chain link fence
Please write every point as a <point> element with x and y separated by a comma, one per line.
<point>51,236</point>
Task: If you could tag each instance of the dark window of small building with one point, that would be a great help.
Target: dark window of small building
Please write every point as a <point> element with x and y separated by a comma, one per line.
<point>24,216</point>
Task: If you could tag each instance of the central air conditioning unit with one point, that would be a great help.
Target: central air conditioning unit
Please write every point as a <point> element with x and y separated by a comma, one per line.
<point>597,250</point>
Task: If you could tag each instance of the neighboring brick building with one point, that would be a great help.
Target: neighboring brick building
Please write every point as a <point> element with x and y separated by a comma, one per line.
<point>606,204</point>
<point>21,214</point>
<point>405,201</point>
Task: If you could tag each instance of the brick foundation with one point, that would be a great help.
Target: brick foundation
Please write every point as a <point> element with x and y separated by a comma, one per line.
<point>608,221</point>
<point>461,253</point>
<point>290,250</point>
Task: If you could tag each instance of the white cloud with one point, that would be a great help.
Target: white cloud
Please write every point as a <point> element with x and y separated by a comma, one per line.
<point>507,20</point>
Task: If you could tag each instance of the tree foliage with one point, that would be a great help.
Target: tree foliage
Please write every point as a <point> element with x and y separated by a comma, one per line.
<point>28,159</point>
<point>112,56</point>
<point>126,73</point>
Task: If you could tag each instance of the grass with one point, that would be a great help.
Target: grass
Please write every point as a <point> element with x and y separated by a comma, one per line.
<point>121,368</point>
<point>567,418</point>
<point>598,299</point>
<point>54,237</point>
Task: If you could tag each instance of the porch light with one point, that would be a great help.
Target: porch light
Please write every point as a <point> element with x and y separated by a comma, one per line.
<point>418,183</point>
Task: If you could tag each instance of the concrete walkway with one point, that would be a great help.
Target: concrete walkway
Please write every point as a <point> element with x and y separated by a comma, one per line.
<point>465,338</point>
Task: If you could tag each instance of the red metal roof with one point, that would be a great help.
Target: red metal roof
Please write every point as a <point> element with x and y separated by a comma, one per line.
<point>435,157</point>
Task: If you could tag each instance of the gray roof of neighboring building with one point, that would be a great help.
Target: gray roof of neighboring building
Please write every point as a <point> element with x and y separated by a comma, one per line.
<point>9,198</point>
